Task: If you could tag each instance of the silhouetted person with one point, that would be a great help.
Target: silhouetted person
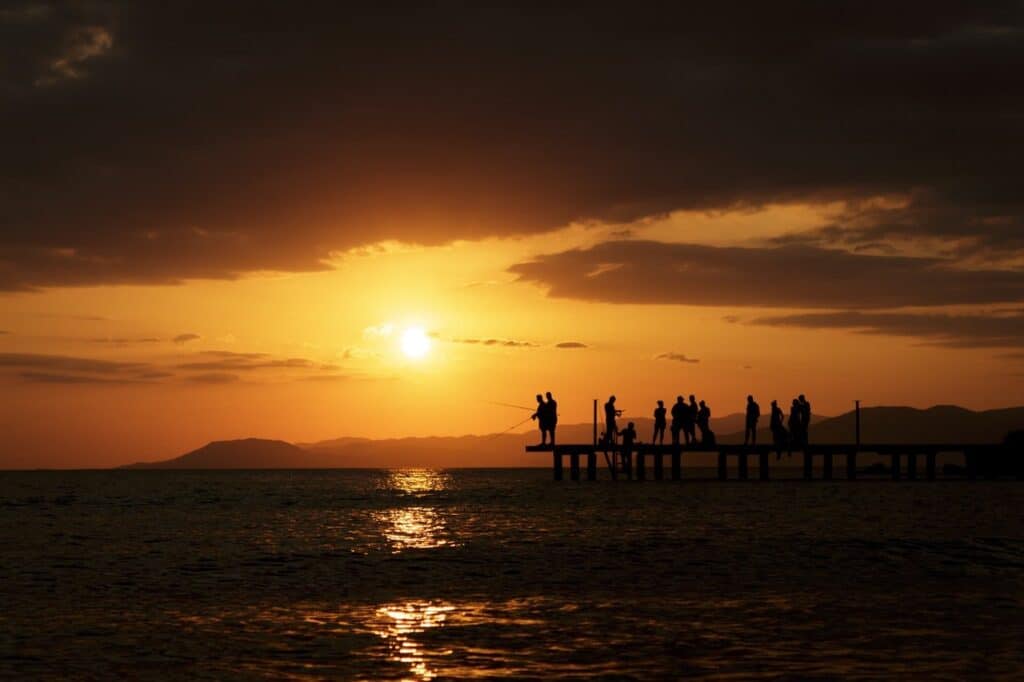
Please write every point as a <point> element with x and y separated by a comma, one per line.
<point>541,417</point>
<point>707,437</point>
<point>611,428</point>
<point>628,439</point>
<point>659,423</point>
<point>805,420</point>
<point>552,408</point>
<point>753,414</point>
<point>779,434</point>
<point>796,414</point>
<point>691,419</point>
<point>679,412</point>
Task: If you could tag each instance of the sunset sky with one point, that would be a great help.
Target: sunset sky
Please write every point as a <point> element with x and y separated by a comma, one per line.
<point>218,223</point>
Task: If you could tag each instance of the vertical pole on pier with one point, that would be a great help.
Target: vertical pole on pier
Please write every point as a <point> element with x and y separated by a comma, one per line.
<point>659,465</point>
<point>851,465</point>
<point>912,465</point>
<point>929,465</point>
<point>826,472</point>
<point>743,473</point>
<point>641,468</point>
<point>595,423</point>
<point>574,466</point>
<point>808,465</point>
<point>592,465</point>
<point>896,467</point>
<point>557,464</point>
<point>722,468</point>
<point>857,422</point>
<point>677,463</point>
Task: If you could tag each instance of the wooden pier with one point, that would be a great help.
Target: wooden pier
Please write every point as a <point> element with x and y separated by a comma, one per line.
<point>634,465</point>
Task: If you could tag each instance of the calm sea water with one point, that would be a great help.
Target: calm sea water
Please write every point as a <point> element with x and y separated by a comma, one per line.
<point>452,574</point>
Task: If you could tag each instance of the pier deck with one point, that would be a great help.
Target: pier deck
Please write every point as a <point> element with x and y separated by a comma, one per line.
<point>634,464</point>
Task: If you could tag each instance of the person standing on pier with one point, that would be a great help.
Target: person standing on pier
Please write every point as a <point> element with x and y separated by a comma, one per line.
<point>691,419</point>
<point>679,412</point>
<point>611,428</point>
<point>796,414</point>
<point>805,419</point>
<point>543,421</point>
<point>779,435</point>
<point>659,424</point>
<point>707,437</point>
<point>753,414</point>
<point>552,408</point>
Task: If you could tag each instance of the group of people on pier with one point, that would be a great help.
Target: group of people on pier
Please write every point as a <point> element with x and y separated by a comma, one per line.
<point>687,418</point>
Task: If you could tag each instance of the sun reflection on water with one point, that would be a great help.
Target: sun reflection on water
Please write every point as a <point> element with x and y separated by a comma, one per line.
<point>415,527</point>
<point>398,625</point>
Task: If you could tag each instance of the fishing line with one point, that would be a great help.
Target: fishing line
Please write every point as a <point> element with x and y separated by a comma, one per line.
<point>502,433</point>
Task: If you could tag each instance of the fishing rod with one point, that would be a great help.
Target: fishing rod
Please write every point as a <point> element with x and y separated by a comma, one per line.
<point>518,407</point>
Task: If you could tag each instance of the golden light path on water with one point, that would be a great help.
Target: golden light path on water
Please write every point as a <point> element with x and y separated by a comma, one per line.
<point>418,527</point>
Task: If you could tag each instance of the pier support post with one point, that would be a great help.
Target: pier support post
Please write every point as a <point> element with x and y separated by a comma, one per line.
<point>896,467</point>
<point>763,465</point>
<point>556,458</point>
<point>641,466</point>
<point>723,472</point>
<point>627,463</point>
<point>574,466</point>
<point>851,466</point>
<point>743,473</point>
<point>677,464</point>
<point>808,466</point>
<point>827,467</point>
<point>659,466</point>
<point>592,466</point>
<point>912,466</point>
<point>929,466</point>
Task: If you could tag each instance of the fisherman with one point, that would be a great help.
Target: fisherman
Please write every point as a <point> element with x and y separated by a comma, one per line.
<point>611,429</point>
<point>541,417</point>
<point>753,415</point>
<point>707,436</point>
<point>690,420</point>
<point>679,412</point>
<point>552,409</point>
<point>779,434</point>
<point>805,419</point>
<point>659,423</point>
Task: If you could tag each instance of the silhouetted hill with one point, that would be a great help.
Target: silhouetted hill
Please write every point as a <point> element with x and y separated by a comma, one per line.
<point>942,423</point>
<point>250,453</point>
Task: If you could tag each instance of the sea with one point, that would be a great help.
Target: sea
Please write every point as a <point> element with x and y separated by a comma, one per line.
<point>456,574</point>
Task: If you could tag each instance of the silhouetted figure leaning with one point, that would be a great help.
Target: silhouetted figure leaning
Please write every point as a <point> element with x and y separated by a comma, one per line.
<point>628,439</point>
<point>541,417</point>
<point>753,414</point>
<point>659,423</point>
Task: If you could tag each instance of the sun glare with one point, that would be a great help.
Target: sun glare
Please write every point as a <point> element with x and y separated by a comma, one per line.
<point>415,342</point>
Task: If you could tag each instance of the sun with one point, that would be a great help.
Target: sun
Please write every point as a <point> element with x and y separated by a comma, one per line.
<point>415,343</point>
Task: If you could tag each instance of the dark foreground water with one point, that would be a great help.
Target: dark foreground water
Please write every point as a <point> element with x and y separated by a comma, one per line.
<point>434,574</point>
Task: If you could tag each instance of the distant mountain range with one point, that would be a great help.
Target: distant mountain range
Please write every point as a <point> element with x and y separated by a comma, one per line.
<point>939,424</point>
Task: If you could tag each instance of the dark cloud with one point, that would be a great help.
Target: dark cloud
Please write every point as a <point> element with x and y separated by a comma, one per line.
<point>67,363</point>
<point>213,378</point>
<point>52,378</point>
<point>570,344</point>
<point>992,330</point>
<point>676,357</point>
<point>328,126</point>
<point>506,343</point>
<point>185,338</point>
<point>4,332</point>
<point>125,341</point>
<point>229,361</point>
<point>794,276</point>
